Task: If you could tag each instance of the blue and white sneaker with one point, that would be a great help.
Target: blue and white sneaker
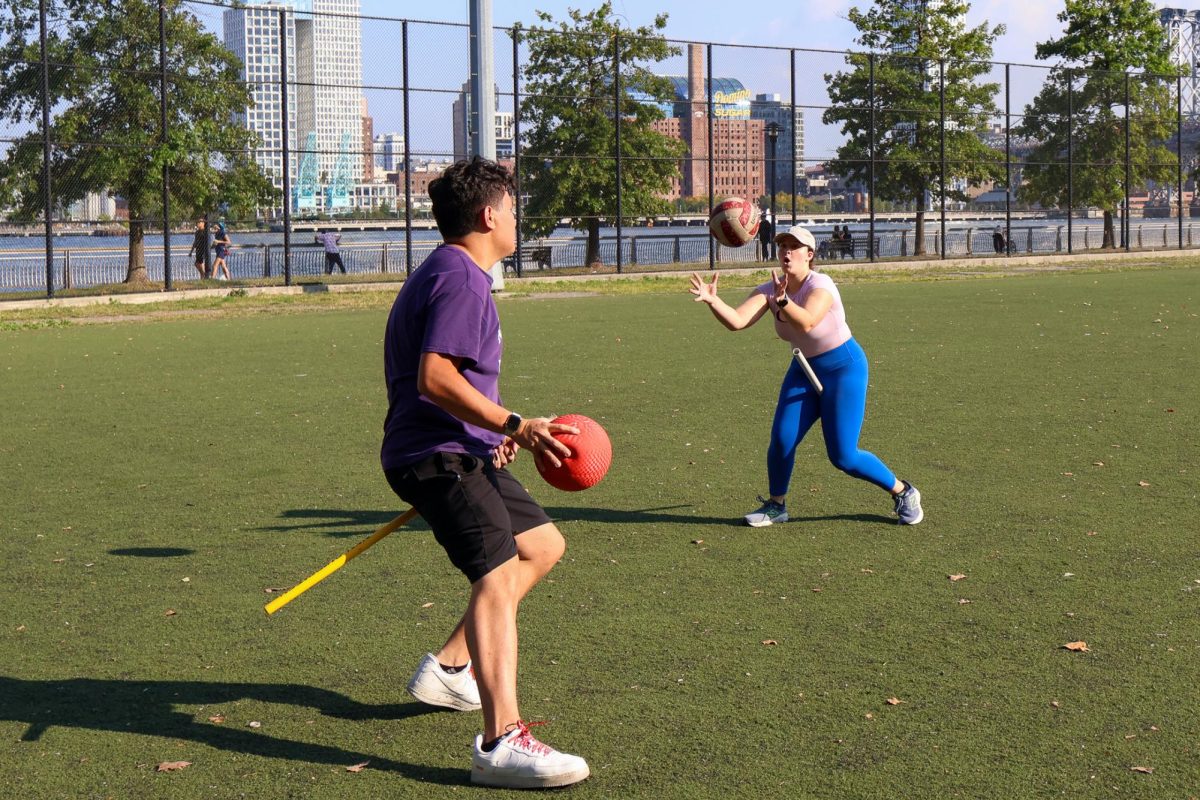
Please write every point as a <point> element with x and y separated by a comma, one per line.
<point>768,513</point>
<point>908,506</point>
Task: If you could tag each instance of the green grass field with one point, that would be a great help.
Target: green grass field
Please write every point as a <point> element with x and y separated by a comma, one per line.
<point>160,475</point>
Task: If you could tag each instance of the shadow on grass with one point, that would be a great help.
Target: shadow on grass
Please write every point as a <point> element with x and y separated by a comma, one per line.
<point>339,522</point>
<point>643,515</point>
<point>151,552</point>
<point>148,707</point>
<point>877,518</point>
<point>342,523</point>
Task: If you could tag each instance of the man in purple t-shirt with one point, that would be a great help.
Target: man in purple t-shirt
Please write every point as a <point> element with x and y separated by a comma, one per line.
<point>446,442</point>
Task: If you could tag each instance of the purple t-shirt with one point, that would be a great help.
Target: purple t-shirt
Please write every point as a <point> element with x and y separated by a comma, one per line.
<point>444,307</point>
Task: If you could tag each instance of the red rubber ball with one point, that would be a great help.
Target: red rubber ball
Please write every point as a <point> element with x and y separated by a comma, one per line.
<point>591,455</point>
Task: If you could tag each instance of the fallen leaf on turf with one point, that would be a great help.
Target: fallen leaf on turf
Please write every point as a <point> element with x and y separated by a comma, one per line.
<point>170,612</point>
<point>1077,647</point>
<point>697,541</point>
<point>956,577</point>
<point>357,767</point>
<point>254,724</point>
<point>869,715</point>
<point>1097,463</point>
<point>171,766</point>
<point>1069,474</point>
<point>1143,484</point>
<point>770,642</point>
<point>1129,736</point>
<point>1091,533</point>
<point>59,560</point>
<point>1055,704</point>
<point>273,589</point>
<point>217,719</point>
<point>20,628</point>
<point>427,605</point>
<point>962,601</point>
<point>894,701</point>
<point>1143,770</point>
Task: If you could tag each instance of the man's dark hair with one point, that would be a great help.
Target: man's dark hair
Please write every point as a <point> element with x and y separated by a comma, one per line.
<point>465,189</point>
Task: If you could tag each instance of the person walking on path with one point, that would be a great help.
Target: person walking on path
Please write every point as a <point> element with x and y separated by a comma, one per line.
<point>199,248</point>
<point>221,246</point>
<point>808,314</point>
<point>446,445</point>
<point>333,256</point>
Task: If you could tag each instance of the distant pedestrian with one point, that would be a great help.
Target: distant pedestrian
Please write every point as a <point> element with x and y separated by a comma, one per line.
<point>998,243</point>
<point>221,247</point>
<point>333,256</point>
<point>765,229</point>
<point>199,248</point>
<point>847,242</point>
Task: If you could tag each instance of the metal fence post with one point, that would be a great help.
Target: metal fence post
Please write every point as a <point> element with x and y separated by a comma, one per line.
<point>792,156</point>
<point>1179,153</point>
<point>942,144</point>
<point>617,138</point>
<point>871,165</point>
<point>408,250</point>
<point>1007,159</point>
<point>1070,152</point>
<point>708,99</point>
<point>516,77</point>
<point>287,166</point>
<point>162,116</point>
<point>1125,227</point>
<point>47,193</point>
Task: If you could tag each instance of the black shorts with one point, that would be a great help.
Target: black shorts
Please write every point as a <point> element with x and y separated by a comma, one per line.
<point>475,510</point>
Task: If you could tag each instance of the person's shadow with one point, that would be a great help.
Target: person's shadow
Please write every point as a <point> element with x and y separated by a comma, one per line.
<point>149,707</point>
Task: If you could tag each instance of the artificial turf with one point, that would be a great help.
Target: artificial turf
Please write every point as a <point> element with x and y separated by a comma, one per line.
<point>160,476</point>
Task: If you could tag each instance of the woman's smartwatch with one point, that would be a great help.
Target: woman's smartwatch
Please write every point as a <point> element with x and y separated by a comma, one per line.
<point>512,424</point>
<point>783,301</point>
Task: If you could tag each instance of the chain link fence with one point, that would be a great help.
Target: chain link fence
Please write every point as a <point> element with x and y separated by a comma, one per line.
<point>275,125</point>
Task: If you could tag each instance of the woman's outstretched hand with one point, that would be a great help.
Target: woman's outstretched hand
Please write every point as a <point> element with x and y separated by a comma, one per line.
<point>705,292</point>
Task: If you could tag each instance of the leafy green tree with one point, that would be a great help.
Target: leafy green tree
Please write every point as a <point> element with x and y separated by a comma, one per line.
<point>104,96</point>
<point>910,41</point>
<point>1103,40</point>
<point>568,121</point>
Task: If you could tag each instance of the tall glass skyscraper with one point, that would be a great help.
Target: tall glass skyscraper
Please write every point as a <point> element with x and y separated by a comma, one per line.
<point>323,41</point>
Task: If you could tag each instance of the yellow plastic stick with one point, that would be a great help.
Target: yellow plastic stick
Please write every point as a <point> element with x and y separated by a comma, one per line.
<point>339,562</point>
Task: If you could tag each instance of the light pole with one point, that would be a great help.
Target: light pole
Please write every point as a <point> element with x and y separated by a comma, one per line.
<point>772,136</point>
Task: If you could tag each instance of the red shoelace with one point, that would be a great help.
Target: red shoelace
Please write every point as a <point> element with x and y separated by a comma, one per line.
<point>526,740</point>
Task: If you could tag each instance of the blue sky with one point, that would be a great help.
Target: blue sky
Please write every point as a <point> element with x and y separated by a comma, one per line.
<point>809,24</point>
<point>439,53</point>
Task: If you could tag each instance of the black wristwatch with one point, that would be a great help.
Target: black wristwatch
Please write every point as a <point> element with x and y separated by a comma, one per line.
<point>783,301</point>
<point>512,424</point>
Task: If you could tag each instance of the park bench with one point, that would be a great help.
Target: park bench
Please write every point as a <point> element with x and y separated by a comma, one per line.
<point>540,255</point>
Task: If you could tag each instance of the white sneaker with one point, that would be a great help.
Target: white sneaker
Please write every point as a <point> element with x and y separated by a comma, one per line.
<point>434,686</point>
<point>520,761</point>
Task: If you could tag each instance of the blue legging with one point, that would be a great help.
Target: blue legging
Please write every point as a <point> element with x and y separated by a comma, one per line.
<point>843,373</point>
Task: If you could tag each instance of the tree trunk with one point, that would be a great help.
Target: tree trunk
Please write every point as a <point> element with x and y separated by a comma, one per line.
<point>592,257</point>
<point>137,250</point>
<point>1109,239</point>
